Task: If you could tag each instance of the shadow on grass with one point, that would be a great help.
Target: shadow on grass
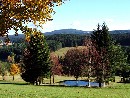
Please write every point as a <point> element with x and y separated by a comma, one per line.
<point>57,84</point>
<point>15,83</point>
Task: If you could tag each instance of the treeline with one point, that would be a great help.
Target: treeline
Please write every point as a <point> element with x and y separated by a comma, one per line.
<point>122,38</point>
<point>58,41</point>
<point>16,48</point>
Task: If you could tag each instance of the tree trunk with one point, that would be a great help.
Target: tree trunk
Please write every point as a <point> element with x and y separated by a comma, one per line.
<point>13,77</point>
<point>104,85</point>
<point>42,80</point>
<point>100,84</point>
<point>3,77</point>
<point>50,79</point>
<point>123,80</point>
<point>53,79</point>
<point>89,83</point>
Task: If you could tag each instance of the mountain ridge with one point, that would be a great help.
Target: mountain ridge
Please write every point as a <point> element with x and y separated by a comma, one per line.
<point>71,31</point>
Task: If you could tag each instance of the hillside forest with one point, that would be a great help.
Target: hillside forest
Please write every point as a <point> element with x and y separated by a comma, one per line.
<point>99,54</point>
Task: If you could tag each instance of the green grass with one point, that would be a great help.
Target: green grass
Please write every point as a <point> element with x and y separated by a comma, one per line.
<point>21,90</point>
<point>62,51</point>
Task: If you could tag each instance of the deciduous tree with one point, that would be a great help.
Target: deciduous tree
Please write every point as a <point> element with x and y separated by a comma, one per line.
<point>56,68</point>
<point>74,62</point>
<point>14,69</point>
<point>15,13</point>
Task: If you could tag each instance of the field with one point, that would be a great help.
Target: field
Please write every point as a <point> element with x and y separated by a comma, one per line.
<point>20,89</point>
<point>62,51</point>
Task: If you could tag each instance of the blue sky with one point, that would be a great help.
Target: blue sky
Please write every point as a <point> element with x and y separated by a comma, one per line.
<point>86,14</point>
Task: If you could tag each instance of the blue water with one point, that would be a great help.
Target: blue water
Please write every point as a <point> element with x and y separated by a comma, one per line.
<point>79,83</point>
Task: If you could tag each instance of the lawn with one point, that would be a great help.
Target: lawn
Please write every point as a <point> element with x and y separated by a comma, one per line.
<point>62,51</point>
<point>10,89</point>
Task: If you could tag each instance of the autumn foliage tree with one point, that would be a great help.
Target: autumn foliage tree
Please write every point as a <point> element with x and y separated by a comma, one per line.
<point>92,56</point>
<point>56,68</point>
<point>14,69</point>
<point>15,13</point>
<point>75,61</point>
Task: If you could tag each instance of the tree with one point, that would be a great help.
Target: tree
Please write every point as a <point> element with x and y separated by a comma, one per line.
<point>36,59</point>
<point>119,62</point>
<point>56,68</point>
<point>4,68</point>
<point>15,13</point>
<point>10,58</point>
<point>14,69</point>
<point>92,56</point>
<point>102,41</point>
<point>74,62</point>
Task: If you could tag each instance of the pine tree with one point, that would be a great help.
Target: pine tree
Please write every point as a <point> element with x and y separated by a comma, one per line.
<point>102,41</point>
<point>36,58</point>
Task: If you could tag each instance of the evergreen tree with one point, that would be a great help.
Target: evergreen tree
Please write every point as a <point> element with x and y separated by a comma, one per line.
<point>36,58</point>
<point>119,62</point>
<point>102,41</point>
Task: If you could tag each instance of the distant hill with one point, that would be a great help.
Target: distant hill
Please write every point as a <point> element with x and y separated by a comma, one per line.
<point>119,31</point>
<point>74,31</point>
<point>67,31</point>
<point>19,36</point>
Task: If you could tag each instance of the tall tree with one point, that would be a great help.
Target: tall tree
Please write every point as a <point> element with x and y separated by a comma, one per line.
<point>102,41</point>
<point>15,13</point>
<point>36,58</point>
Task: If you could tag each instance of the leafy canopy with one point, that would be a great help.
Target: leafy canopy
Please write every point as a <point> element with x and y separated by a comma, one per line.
<point>14,69</point>
<point>15,13</point>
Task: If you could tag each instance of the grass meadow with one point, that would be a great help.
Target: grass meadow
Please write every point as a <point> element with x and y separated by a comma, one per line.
<point>20,89</point>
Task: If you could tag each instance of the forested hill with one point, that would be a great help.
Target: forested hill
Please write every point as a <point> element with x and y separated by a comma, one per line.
<point>67,31</point>
<point>119,31</point>
<point>73,37</point>
<point>71,31</point>
<point>74,31</point>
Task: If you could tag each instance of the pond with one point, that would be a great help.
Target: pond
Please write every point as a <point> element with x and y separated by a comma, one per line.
<point>79,83</point>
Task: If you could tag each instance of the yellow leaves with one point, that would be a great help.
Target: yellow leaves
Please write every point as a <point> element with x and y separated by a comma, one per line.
<point>13,1</point>
<point>16,12</point>
<point>33,33</point>
<point>27,38</point>
<point>14,69</point>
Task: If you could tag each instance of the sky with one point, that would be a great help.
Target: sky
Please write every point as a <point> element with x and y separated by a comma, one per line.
<point>86,14</point>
